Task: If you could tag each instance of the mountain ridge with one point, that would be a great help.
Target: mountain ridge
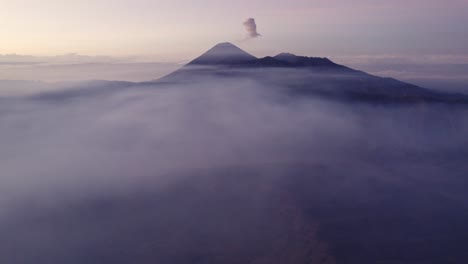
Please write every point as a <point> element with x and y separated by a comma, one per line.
<point>305,76</point>
<point>228,54</point>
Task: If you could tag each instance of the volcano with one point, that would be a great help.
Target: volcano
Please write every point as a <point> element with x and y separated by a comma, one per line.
<point>305,76</point>
<point>223,54</point>
<point>227,54</point>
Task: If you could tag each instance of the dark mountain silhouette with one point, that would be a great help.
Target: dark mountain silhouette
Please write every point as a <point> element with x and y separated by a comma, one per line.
<point>302,61</point>
<point>223,54</point>
<point>312,76</point>
<point>227,54</point>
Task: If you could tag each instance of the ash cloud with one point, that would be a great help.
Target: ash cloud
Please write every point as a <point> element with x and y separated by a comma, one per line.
<point>251,28</point>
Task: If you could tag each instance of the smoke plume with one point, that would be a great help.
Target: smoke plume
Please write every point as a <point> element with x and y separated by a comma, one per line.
<point>251,28</point>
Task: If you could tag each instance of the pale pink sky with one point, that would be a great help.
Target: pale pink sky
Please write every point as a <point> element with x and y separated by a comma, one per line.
<point>178,29</point>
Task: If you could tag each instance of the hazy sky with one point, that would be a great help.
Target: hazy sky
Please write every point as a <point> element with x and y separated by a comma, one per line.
<point>180,29</point>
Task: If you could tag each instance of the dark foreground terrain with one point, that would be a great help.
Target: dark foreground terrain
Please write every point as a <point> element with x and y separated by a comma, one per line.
<point>278,214</point>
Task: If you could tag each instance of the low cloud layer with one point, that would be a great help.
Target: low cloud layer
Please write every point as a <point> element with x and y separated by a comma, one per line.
<point>66,154</point>
<point>441,72</point>
<point>251,28</point>
<point>114,138</point>
<point>75,67</point>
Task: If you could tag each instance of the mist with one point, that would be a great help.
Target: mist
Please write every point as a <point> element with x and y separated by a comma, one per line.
<point>443,73</point>
<point>81,71</point>
<point>71,150</point>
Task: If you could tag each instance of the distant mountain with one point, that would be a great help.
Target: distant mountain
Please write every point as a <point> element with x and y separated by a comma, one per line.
<point>300,75</point>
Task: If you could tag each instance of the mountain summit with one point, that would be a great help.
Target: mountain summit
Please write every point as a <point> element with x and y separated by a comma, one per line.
<point>227,54</point>
<point>223,54</point>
